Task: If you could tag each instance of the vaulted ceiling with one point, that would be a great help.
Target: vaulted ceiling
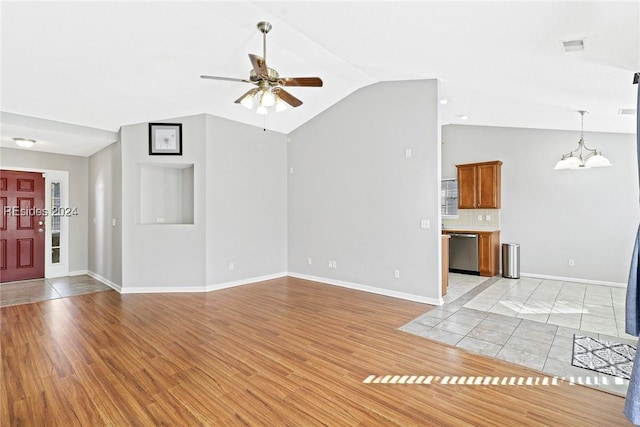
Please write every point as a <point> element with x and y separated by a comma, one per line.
<point>101,65</point>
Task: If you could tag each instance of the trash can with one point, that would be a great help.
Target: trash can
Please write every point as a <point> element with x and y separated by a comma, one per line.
<point>511,260</point>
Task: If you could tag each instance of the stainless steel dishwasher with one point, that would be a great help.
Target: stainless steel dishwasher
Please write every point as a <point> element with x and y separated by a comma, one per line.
<point>463,253</point>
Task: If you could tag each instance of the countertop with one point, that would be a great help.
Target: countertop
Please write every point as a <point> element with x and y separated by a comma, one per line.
<point>463,229</point>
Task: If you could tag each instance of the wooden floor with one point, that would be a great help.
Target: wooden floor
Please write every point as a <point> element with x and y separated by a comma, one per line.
<point>281,352</point>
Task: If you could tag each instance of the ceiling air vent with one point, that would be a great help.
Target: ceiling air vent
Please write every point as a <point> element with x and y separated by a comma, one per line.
<point>573,45</point>
<point>626,111</point>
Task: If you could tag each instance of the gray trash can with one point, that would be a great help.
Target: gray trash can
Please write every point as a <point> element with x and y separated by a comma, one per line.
<point>511,260</point>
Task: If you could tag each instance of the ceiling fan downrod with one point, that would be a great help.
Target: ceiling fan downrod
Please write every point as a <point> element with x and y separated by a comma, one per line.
<point>264,28</point>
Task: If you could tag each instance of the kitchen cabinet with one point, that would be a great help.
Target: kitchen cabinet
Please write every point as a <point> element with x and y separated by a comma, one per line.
<point>488,250</point>
<point>489,253</point>
<point>479,185</point>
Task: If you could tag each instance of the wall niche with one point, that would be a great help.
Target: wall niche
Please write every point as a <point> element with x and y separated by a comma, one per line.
<point>165,193</point>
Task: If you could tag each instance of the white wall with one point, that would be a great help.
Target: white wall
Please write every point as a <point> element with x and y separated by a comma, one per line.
<point>105,205</point>
<point>246,202</point>
<point>158,257</point>
<point>589,215</point>
<point>78,193</point>
<point>239,214</point>
<point>355,198</point>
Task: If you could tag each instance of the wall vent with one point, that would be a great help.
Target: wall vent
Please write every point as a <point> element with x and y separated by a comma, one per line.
<point>573,45</point>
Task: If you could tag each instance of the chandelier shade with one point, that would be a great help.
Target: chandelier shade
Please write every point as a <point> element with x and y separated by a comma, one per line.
<point>582,157</point>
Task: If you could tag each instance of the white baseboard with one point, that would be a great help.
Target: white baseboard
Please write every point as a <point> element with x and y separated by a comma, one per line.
<point>573,279</point>
<point>104,280</point>
<point>370,289</point>
<point>192,289</point>
<point>78,273</point>
<point>219,286</point>
<point>161,289</point>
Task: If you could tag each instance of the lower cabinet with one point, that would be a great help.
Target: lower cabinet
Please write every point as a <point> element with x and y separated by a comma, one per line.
<point>489,253</point>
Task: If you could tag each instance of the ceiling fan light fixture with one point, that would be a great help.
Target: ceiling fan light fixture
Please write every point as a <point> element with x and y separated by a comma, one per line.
<point>280,105</point>
<point>269,86</point>
<point>268,98</point>
<point>247,102</point>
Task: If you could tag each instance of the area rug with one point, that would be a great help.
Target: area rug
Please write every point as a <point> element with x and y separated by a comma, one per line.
<point>603,356</point>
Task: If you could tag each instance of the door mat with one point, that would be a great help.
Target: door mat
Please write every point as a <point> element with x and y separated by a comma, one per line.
<point>603,356</point>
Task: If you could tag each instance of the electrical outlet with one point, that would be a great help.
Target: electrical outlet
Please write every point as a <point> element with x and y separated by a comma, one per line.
<point>330,264</point>
<point>396,274</point>
<point>571,262</point>
<point>291,170</point>
<point>309,261</point>
<point>159,220</point>
<point>487,217</point>
<point>479,217</point>
<point>407,152</point>
<point>231,266</point>
<point>335,264</point>
<point>425,223</point>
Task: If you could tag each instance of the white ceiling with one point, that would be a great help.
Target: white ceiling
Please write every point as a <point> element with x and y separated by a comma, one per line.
<point>102,65</point>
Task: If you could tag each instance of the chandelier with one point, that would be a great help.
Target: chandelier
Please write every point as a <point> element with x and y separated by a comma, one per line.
<point>582,157</point>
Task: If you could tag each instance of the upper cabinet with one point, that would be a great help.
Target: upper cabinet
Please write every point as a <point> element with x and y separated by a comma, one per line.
<point>479,185</point>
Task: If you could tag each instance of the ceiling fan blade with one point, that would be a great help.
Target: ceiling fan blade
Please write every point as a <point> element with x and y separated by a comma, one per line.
<point>302,81</point>
<point>229,79</point>
<point>259,65</point>
<point>250,92</point>
<point>288,98</point>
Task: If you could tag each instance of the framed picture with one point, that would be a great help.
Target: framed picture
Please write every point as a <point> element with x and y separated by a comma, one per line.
<point>165,139</point>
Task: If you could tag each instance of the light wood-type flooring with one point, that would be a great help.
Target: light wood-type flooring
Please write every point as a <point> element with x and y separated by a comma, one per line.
<point>280,352</point>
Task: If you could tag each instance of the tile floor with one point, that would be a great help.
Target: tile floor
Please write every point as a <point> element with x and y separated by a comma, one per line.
<point>590,308</point>
<point>530,322</point>
<point>14,293</point>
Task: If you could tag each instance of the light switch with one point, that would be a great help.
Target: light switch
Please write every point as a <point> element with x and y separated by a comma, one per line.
<point>113,222</point>
<point>407,152</point>
<point>425,223</point>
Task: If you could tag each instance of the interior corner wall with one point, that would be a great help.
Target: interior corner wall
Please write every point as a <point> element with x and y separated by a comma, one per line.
<point>239,225</point>
<point>356,198</point>
<point>78,194</point>
<point>246,202</point>
<point>162,257</point>
<point>590,216</point>
<point>105,214</point>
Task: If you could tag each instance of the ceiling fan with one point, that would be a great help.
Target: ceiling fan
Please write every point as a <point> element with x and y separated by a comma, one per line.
<point>269,90</point>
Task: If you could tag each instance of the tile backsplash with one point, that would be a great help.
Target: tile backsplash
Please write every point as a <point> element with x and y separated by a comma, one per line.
<point>470,218</point>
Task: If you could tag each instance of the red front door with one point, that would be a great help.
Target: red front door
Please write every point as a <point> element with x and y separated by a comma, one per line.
<point>22,226</point>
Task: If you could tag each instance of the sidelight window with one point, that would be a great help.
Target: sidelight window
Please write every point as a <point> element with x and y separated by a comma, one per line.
<point>55,222</point>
